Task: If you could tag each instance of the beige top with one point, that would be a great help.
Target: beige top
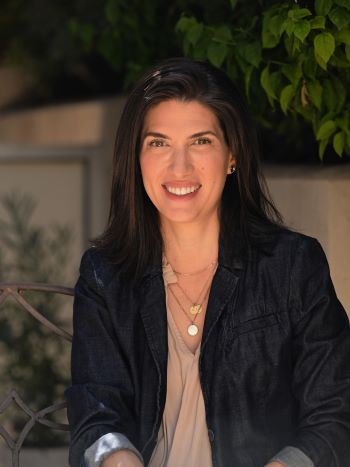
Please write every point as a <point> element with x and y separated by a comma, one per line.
<point>183,435</point>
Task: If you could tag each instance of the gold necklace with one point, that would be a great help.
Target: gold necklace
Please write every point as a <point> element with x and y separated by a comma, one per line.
<point>192,329</point>
<point>211,265</point>
<point>195,308</point>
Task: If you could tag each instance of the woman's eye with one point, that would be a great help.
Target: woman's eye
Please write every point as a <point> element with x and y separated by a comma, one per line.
<point>157,143</point>
<point>201,141</point>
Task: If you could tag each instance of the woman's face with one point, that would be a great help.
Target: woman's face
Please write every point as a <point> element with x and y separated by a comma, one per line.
<point>184,161</point>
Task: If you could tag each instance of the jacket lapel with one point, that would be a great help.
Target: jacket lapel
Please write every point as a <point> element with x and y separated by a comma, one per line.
<point>154,317</point>
<point>225,281</point>
<point>223,286</point>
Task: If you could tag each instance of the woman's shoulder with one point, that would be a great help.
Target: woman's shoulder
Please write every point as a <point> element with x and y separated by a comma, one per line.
<point>296,244</point>
<point>96,266</point>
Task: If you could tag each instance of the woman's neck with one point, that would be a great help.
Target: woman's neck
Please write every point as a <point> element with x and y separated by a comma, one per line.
<point>190,247</point>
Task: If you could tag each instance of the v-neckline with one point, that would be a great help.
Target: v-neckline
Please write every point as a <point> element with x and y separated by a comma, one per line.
<point>169,277</point>
<point>178,336</point>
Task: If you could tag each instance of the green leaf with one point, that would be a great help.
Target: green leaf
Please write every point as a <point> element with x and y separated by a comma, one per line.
<point>292,71</point>
<point>184,24</point>
<point>217,52</point>
<point>289,27</point>
<point>275,25</point>
<point>223,34</point>
<point>339,17</point>
<point>347,52</point>
<point>343,36</point>
<point>339,143</point>
<point>269,41</point>
<point>343,3</point>
<point>112,11</point>
<point>251,53</point>
<point>286,97</point>
<point>302,29</point>
<point>329,96</point>
<point>339,59</point>
<point>73,26</point>
<point>323,7</point>
<point>86,33</point>
<point>340,92</point>
<point>310,68</point>
<point>298,13</point>
<point>271,83</point>
<point>296,46</point>
<point>326,130</point>
<point>276,82</point>
<point>266,83</point>
<point>194,33</point>
<point>319,22</point>
<point>343,122</point>
<point>247,79</point>
<point>233,4</point>
<point>321,62</point>
<point>232,71</point>
<point>315,92</point>
<point>322,147</point>
<point>200,50</point>
<point>324,45</point>
<point>271,29</point>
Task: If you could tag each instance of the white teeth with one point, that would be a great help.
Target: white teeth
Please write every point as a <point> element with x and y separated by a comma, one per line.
<point>182,191</point>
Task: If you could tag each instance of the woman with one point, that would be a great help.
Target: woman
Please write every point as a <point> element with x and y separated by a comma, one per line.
<point>205,332</point>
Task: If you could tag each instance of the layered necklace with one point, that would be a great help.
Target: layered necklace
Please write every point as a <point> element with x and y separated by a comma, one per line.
<point>193,308</point>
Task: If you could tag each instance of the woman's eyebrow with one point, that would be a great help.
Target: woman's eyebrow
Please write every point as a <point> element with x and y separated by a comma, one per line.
<point>195,135</point>
<point>202,133</point>
<point>155,135</point>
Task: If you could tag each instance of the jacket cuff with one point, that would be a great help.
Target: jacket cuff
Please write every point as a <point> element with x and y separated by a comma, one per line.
<point>291,456</point>
<point>106,445</point>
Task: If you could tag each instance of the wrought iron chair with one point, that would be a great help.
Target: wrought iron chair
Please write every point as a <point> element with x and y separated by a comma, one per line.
<point>15,290</point>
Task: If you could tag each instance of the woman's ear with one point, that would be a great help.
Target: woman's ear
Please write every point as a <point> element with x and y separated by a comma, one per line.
<point>231,164</point>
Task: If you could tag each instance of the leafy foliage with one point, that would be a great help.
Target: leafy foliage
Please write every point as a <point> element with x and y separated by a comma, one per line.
<point>83,45</point>
<point>291,58</point>
<point>130,42</point>
<point>33,361</point>
<point>286,56</point>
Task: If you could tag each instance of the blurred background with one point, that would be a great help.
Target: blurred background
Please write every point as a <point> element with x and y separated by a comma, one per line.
<point>65,70</point>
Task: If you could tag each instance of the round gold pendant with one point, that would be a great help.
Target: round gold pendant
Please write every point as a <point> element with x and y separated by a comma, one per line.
<point>195,309</point>
<point>192,330</point>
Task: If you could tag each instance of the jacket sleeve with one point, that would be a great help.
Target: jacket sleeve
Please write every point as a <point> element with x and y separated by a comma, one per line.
<point>100,398</point>
<point>321,353</point>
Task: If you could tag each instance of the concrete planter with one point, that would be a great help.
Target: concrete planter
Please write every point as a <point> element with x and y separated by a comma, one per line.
<point>29,457</point>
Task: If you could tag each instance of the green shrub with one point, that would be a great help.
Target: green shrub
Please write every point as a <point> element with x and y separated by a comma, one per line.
<point>285,55</point>
<point>33,360</point>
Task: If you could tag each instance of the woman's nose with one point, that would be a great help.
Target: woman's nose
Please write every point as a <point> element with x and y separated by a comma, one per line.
<point>181,163</point>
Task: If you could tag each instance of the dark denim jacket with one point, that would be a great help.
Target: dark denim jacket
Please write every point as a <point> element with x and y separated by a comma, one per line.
<point>274,363</point>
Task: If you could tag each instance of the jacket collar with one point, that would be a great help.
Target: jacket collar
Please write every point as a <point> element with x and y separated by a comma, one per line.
<point>231,256</point>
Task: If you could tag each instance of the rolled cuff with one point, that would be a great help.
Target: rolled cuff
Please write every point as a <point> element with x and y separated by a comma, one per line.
<point>106,445</point>
<point>291,456</point>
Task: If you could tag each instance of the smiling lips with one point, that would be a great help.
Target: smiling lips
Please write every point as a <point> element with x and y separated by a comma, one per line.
<point>181,191</point>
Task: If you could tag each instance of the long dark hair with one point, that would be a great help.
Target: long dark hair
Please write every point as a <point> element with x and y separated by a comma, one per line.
<point>132,238</point>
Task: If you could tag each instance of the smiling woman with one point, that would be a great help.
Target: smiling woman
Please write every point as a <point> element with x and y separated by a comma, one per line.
<point>205,332</point>
<point>184,162</point>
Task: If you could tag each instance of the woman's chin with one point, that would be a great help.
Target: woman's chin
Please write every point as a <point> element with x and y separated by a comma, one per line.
<point>184,217</point>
